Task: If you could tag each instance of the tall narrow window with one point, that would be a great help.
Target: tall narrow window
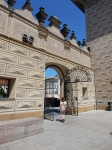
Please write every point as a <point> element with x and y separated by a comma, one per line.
<point>85,93</point>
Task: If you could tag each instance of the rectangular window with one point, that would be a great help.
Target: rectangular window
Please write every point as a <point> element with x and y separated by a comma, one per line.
<point>7,88</point>
<point>4,88</point>
<point>56,92</point>
<point>85,93</point>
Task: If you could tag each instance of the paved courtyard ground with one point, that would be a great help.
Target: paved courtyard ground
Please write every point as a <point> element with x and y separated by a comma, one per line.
<point>89,131</point>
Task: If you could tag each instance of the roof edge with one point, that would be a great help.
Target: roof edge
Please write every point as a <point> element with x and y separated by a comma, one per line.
<point>80,4</point>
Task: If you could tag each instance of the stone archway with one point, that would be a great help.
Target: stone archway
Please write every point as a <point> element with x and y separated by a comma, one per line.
<point>54,89</point>
<point>62,71</point>
<point>75,75</point>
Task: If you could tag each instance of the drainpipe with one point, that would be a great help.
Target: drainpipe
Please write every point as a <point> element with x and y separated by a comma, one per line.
<point>95,90</point>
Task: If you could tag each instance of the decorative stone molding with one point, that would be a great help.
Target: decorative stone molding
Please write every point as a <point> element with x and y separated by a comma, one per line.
<point>42,32</point>
<point>67,45</point>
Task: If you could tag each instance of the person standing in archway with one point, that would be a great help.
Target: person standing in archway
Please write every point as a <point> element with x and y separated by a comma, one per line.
<point>62,107</point>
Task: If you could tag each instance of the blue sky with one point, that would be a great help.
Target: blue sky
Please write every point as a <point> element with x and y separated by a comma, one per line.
<point>65,11</point>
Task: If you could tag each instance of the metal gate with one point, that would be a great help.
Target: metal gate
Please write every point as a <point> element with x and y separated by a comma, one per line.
<point>49,102</point>
<point>75,75</point>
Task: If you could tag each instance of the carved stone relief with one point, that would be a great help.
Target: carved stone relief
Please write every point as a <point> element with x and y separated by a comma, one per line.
<point>39,104</point>
<point>40,84</point>
<point>3,46</point>
<point>27,63</point>
<point>19,50</point>
<point>6,106</point>
<point>34,94</point>
<point>26,83</point>
<point>16,71</point>
<point>2,68</point>
<point>41,66</point>
<point>35,55</point>
<point>8,58</point>
<point>20,93</point>
<point>36,74</point>
<point>25,105</point>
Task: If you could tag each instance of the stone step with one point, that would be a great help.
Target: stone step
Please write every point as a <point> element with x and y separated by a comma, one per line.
<point>20,128</point>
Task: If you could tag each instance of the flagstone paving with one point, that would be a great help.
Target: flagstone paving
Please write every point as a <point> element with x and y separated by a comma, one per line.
<point>89,131</point>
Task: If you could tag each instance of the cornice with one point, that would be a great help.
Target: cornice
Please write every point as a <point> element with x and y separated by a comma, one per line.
<point>47,32</point>
<point>40,50</point>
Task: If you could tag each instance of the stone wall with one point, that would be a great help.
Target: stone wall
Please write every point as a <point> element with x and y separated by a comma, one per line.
<point>99,36</point>
<point>25,65</point>
<point>19,65</point>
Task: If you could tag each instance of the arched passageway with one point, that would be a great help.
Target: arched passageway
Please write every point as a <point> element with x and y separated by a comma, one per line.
<point>70,87</point>
<point>54,89</point>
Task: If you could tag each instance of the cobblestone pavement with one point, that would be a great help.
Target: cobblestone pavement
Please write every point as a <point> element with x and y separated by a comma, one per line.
<point>89,131</point>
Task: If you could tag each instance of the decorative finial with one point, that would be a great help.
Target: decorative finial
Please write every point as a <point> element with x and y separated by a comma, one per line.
<point>54,22</point>
<point>84,43</point>
<point>41,16</point>
<point>79,43</point>
<point>65,31</point>
<point>73,36</point>
<point>27,6</point>
<point>11,3</point>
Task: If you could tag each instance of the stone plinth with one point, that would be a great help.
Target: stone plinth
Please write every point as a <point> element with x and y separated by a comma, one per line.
<point>21,128</point>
